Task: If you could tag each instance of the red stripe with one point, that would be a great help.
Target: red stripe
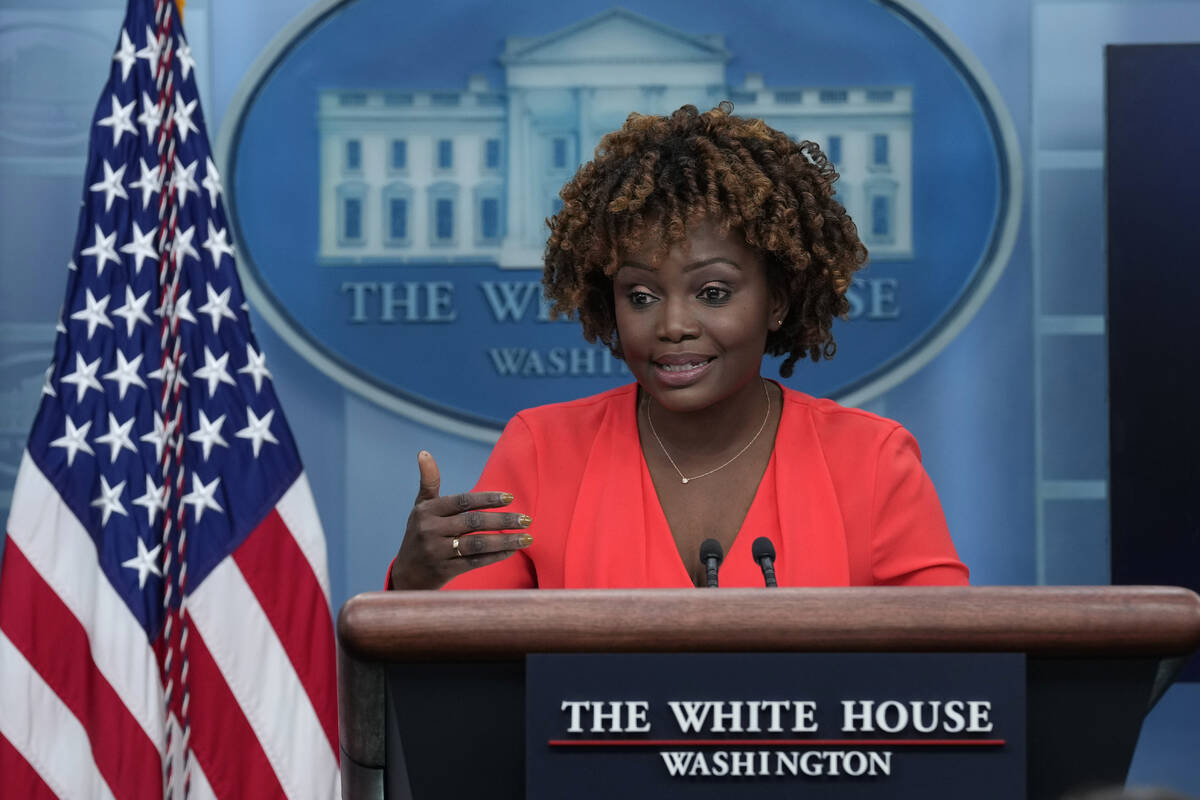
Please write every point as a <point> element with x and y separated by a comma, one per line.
<point>290,595</point>
<point>20,779</point>
<point>777,742</point>
<point>56,645</point>
<point>222,739</point>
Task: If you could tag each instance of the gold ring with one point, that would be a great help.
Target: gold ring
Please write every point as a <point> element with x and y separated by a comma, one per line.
<point>454,544</point>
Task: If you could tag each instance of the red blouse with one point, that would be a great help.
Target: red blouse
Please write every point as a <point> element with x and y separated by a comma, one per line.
<point>844,499</point>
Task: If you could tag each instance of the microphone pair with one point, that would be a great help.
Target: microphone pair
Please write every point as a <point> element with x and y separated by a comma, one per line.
<point>711,555</point>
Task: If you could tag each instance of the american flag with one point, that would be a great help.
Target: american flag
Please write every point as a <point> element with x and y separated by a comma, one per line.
<point>164,602</point>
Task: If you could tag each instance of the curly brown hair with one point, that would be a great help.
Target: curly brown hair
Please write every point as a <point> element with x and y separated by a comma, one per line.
<point>656,174</point>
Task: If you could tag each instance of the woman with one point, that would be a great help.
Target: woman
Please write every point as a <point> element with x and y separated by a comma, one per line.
<point>692,245</point>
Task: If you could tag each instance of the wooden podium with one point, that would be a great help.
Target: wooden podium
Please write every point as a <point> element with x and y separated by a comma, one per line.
<point>431,684</point>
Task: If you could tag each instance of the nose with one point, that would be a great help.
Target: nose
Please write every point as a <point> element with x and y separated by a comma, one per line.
<point>676,322</point>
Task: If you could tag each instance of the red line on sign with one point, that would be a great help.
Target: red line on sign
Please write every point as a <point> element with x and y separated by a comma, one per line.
<point>777,742</point>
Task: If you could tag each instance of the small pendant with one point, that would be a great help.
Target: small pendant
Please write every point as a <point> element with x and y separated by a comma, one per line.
<point>685,480</point>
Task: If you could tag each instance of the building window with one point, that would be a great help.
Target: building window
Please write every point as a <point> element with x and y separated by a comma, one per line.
<point>491,154</point>
<point>443,208</point>
<point>353,154</point>
<point>879,200</point>
<point>397,208</point>
<point>489,218</point>
<point>833,149</point>
<point>881,222</point>
<point>352,218</point>
<point>559,158</point>
<point>445,154</point>
<point>880,95</point>
<point>351,211</point>
<point>398,218</point>
<point>444,219</point>
<point>833,96</point>
<point>879,150</point>
<point>399,154</point>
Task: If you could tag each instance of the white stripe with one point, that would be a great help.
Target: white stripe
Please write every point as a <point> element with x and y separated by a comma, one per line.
<point>262,679</point>
<point>298,511</point>
<point>44,731</point>
<point>61,551</point>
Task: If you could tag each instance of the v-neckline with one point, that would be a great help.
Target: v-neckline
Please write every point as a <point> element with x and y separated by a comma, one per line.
<point>662,526</point>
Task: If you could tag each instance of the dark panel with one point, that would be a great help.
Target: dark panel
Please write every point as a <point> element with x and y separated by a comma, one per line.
<point>1153,125</point>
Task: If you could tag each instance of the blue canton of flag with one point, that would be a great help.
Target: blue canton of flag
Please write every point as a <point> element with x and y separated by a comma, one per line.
<point>163,539</point>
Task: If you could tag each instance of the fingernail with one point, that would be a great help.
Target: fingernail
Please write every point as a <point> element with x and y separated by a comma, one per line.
<point>525,539</point>
<point>506,498</point>
<point>422,453</point>
<point>526,520</point>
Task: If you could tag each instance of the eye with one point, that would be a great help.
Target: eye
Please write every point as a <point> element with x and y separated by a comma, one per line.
<point>714,295</point>
<point>638,298</point>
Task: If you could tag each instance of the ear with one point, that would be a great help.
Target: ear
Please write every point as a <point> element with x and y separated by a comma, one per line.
<point>777,309</point>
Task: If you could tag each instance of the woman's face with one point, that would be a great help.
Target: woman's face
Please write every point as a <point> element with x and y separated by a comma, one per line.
<point>693,327</point>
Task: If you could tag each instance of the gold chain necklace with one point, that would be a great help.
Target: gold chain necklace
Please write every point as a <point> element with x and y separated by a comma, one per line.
<point>683,478</point>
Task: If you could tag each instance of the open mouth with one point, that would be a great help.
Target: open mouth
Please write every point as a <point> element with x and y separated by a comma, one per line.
<point>683,367</point>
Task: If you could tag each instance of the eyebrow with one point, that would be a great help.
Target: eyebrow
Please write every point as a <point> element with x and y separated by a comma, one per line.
<point>693,266</point>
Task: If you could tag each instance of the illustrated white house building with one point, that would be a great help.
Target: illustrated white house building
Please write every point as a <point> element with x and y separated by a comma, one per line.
<point>470,175</point>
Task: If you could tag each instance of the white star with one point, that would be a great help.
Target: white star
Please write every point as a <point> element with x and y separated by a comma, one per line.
<point>125,54</point>
<point>183,180</point>
<point>109,500</point>
<point>212,181</point>
<point>118,119</point>
<point>149,182</point>
<point>183,118</point>
<point>217,306</point>
<point>84,377</point>
<point>126,373</point>
<point>256,367</point>
<point>71,266</point>
<point>201,495</point>
<point>257,430</point>
<point>158,437</point>
<point>111,185</point>
<point>151,116</point>
<point>178,309</point>
<point>183,54</point>
<point>134,310</point>
<point>151,51</point>
<point>168,374</point>
<point>208,434</point>
<point>153,500</point>
<point>183,243</point>
<point>75,439</point>
<point>146,561</point>
<point>117,437</point>
<point>214,371</point>
<point>48,385</point>
<point>216,245</point>
<point>103,248</point>
<point>58,326</point>
<point>94,314</point>
<point>140,247</point>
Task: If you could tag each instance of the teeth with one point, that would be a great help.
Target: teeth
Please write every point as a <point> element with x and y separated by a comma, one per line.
<point>681,367</point>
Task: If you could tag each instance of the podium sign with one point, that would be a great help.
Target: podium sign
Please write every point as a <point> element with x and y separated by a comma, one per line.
<point>775,725</point>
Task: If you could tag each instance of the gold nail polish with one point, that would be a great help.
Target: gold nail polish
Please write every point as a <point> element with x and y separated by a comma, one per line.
<point>525,539</point>
<point>526,520</point>
<point>506,498</point>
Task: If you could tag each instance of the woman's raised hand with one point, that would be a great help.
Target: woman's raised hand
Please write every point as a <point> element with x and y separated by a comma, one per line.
<point>440,541</point>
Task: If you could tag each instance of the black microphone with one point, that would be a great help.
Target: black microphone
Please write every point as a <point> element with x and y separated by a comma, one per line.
<point>764,555</point>
<point>711,555</point>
